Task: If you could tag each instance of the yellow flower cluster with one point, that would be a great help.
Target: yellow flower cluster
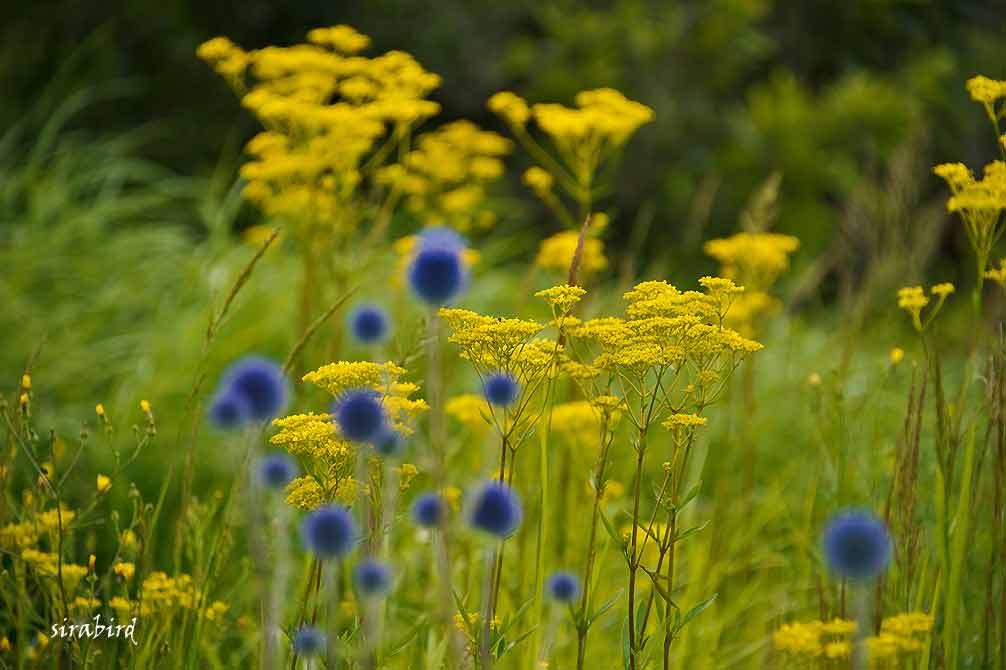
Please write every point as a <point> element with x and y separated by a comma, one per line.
<point>312,435</point>
<point>47,565</point>
<point>913,299</point>
<point>314,438</point>
<point>305,493</point>
<point>684,421</point>
<point>901,637</point>
<point>667,326</point>
<point>18,535</point>
<point>343,375</point>
<point>816,638</point>
<point>603,119</point>
<point>578,424</point>
<point>985,90</point>
<point>556,253</point>
<point>470,410</point>
<point>755,260</point>
<point>561,298</point>
<point>324,107</point>
<point>444,178</point>
<point>979,202</point>
<point>496,343</point>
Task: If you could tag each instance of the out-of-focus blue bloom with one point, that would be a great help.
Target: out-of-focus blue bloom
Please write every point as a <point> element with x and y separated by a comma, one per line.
<point>563,587</point>
<point>329,531</point>
<point>308,641</point>
<point>369,324</point>
<point>501,388</point>
<point>360,415</point>
<point>857,545</point>
<point>276,470</point>
<point>372,578</point>
<point>261,383</point>
<point>428,510</point>
<point>496,509</point>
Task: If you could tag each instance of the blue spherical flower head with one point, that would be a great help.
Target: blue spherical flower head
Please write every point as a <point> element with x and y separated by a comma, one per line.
<point>372,578</point>
<point>496,509</point>
<point>428,510</point>
<point>261,383</point>
<point>389,442</point>
<point>857,545</point>
<point>229,410</point>
<point>329,531</point>
<point>360,415</point>
<point>437,274</point>
<point>308,641</point>
<point>276,471</point>
<point>563,587</point>
<point>501,388</point>
<point>369,324</point>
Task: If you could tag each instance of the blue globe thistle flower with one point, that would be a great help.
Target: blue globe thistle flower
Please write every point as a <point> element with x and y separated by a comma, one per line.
<point>437,274</point>
<point>501,388</point>
<point>428,510</point>
<point>441,237</point>
<point>261,383</point>
<point>563,587</point>
<point>369,324</point>
<point>388,442</point>
<point>308,641</point>
<point>496,509</point>
<point>329,531</point>
<point>229,410</point>
<point>276,471</point>
<point>372,578</point>
<point>360,415</point>
<point>857,545</point>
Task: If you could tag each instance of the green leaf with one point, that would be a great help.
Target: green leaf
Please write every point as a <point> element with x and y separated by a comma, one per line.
<point>694,612</point>
<point>600,611</point>
<point>678,537</point>
<point>690,496</point>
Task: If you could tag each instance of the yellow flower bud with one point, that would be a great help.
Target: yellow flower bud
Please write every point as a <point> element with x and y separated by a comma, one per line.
<point>145,406</point>
<point>26,382</point>
<point>90,563</point>
<point>99,409</point>
<point>104,483</point>
<point>897,355</point>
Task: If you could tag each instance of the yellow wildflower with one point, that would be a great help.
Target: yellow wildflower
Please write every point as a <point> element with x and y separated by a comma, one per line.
<point>985,90</point>
<point>897,355</point>
<point>942,290</point>
<point>312,435</point>
<point>556,253</point>
<point>124,570</point>
<point>562,297</point>
<point>838,650</point>
<point>104,483</point>
<point>342,38</point>
<point>470,410</point>
<point>406,473</point>
<point>305,493</point>
<point>510,107</point>
<point>539,180</point>
<point>684,421</point>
